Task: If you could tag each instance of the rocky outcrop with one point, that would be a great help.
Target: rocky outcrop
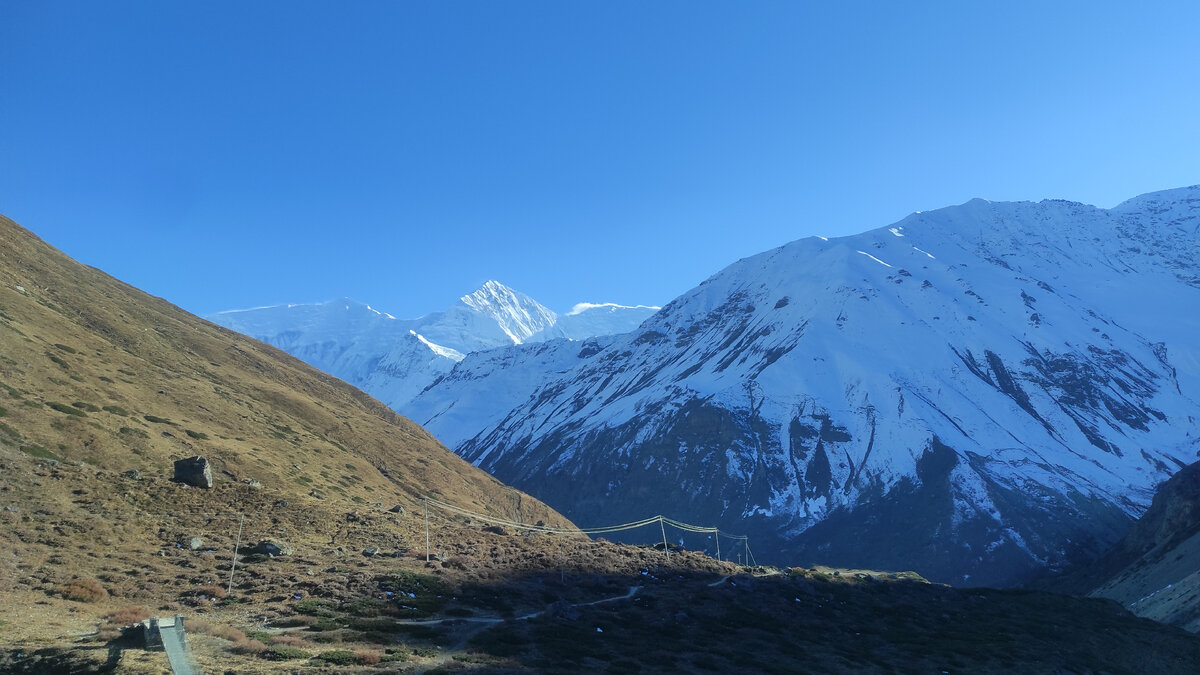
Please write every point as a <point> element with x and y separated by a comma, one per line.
<point>195,471</point>
<point>1153,571</point>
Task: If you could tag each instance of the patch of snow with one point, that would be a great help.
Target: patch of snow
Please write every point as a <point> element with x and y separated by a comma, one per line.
<point>873,258</point>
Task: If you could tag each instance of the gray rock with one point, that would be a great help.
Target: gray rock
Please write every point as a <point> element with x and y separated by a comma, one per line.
<point>254,483</point>
<point>132,474</point>
<point>195,543</point>
<point>271,548</point>
<point>397,509</point>
<point>371,551</point>
<point>194,471</point>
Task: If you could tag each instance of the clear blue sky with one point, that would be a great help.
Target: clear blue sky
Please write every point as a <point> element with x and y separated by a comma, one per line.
<point>228,155</point>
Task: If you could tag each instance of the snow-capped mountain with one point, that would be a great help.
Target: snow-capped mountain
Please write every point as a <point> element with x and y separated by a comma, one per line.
<point>974,392</point>
<point>394,359</point>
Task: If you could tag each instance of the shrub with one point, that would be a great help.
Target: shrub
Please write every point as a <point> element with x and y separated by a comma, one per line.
<point>248,647</point>
<point>65,348</point>
<point>116,410</point>
<point>367,658</point>
<point>157,420</point>
<point>130,431</point>
<point>66,409</point>
<point>365,607</point>
<point>338,657</point>
<point>128,615</point>
<point>85,406</point>
<point>224,632</point>
<point>83,590</point>
<point>313,607</point>
<point>288,641</point>
<point>114,622</point>
<point>198,435</point>
<point>39,452</point>
<point>3,412</point>
<point>325,623</point>
<point>282,653</point>
<point>213,591</point>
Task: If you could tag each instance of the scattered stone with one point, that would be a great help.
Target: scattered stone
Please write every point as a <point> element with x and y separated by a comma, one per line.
<point>397,509</point>
<point>195,543</point>
<point>254,483</point>
<point>371,551</point>
<point>496,529</point>
<point>194,471</point>
<point>281,502</point>
<point>132,474</point>
<point>271,548</point>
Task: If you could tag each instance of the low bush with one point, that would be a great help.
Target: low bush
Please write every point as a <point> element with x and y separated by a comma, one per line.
<point>116,410</point>
<point>39,452</point>
<point>66,409</point>
<point>216,630</point>
<point>248,647</point>
<point>338,657</point>
<point>284,653</point>
<point>198,435</point>
<point>128,615</point>
<point>213,591</point>
<point>81,405</point>
<point>83,590</point>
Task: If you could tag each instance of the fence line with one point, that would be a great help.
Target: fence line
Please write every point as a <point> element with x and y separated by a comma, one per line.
<point>607,529</point>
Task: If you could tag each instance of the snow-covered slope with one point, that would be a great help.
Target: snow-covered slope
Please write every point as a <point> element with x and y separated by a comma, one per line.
<point>395,359</point>
<point>587,320</point>
<point>974,392</point>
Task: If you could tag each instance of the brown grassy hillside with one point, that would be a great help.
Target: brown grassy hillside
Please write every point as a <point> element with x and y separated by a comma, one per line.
<point>99,372</point>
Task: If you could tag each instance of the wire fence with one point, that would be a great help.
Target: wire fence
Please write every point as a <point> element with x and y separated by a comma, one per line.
<point>662,521</point>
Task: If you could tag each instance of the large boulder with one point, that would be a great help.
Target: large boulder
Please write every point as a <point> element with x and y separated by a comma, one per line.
<point>194,471</point>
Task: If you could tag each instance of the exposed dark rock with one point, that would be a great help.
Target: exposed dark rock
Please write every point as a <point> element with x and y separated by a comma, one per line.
<point>195,471</point>
<point>271,548</point>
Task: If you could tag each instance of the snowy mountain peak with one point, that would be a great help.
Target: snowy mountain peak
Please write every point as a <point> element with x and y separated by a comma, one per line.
<point>395,359</point>
<point>517,314</point>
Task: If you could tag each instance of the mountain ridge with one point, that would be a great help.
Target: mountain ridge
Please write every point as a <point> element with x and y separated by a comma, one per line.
<point>1005,364</point>
<point>395,359</point>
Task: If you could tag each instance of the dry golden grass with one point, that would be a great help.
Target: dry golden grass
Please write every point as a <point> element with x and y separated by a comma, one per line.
<point>82,590</point>
<point>102,387</point>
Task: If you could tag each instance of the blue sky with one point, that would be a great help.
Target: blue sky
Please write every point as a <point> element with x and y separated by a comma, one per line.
<point>229,155</point>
